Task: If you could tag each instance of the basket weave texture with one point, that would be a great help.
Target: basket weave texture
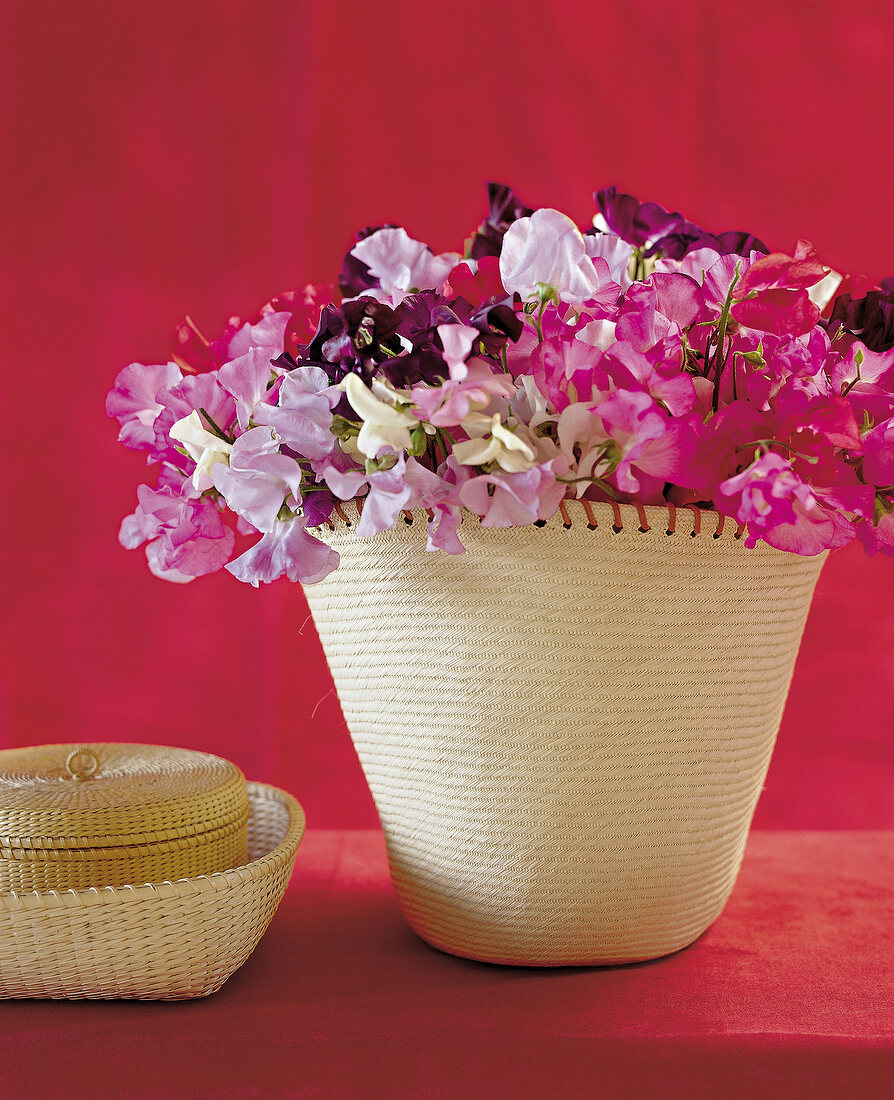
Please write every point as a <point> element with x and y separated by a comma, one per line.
<point>149,812</point>
<point>566,728</point>
<point>159,941</point>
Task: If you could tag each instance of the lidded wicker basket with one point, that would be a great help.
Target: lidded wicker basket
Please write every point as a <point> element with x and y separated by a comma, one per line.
<point>75,816</point>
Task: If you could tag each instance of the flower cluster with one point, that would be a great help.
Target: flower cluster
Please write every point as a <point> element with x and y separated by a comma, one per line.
<point>642,359</point>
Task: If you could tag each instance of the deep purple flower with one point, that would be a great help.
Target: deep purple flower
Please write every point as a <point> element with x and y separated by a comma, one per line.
<point>870,319</point>
<point>350,339</point>
<point>505,208</point>
<point>641,224</point>
<point>649,226</point>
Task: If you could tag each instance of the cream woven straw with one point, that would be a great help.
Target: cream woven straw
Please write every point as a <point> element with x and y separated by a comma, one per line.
<point>565,729</point>
<point>160,941</point>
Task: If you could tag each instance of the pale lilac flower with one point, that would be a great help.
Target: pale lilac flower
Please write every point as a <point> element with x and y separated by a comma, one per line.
<point>196,391</point>
<point>547,253</point>
<point>248,379</point>
<point>512,499</point>
<point>401,265</point>
<point>259,480</point>
<point>303,414</point>
<point>268,335</point>
<point>286,550</point>
<point>388,496</point>
<point>442,499</point>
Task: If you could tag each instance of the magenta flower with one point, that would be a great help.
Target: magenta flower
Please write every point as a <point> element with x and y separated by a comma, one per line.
<point>878,454</point>
<point>771,295</point>
<point>878,538</point>
<point>781,509</point>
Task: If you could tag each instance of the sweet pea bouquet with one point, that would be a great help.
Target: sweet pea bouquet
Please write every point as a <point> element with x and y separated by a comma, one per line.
<point>641,359</point>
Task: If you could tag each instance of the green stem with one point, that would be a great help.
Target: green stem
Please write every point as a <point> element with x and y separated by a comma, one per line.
<point>216,429</point>
<point>771,443</point>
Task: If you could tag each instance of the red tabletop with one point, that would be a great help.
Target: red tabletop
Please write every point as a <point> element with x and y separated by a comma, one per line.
<point>789,994</point>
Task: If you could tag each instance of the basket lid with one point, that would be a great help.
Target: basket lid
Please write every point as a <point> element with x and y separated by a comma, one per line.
<point>111,795</point>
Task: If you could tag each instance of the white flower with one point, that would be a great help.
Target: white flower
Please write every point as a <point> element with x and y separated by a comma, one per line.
<point>401,264</point>
<point>204,447</point>
<point>616,253</point>
<point>598,334</point>
<point>384,426</point>
<point>824,291</point>
<point>492,441</point>
<point>547,250</point>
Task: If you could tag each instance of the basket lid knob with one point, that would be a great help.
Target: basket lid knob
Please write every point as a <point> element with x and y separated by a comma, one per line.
<point>82,764</point>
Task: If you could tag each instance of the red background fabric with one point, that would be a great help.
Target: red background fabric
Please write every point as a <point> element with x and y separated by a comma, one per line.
<point>174,157</point>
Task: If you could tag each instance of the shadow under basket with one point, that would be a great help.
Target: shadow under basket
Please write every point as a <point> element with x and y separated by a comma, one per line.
<point>158,941</point>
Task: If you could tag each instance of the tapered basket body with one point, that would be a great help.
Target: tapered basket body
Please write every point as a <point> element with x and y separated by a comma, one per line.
<point>565,729</point>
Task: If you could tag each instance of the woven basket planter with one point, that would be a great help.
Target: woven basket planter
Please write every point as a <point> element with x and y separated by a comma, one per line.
<point>171,940</point>
<point>566,729</point>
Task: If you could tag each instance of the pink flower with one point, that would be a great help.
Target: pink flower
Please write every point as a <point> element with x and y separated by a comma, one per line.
<point>450,403</point>
<point>267,336</point>
<point>657,371</point>
<point>286,550</point>
<point>304,307</point>
<point>511,500</point>
<point>567,370</point>
<point>187,537</point>
<point>401,265</point>
<point>547,253</point>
